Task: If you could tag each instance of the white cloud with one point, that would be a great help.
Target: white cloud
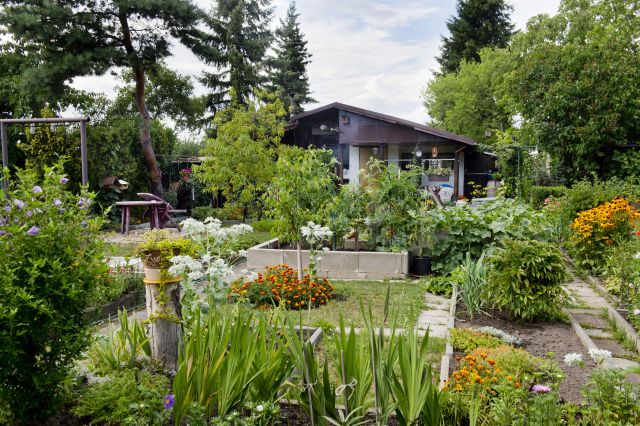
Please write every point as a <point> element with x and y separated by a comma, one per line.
<point>372,54</point>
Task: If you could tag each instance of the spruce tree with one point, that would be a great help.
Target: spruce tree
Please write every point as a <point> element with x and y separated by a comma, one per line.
<point>240,37</point>
<point>479,23</point>
<point>288,73</point>
<point>86,37</point>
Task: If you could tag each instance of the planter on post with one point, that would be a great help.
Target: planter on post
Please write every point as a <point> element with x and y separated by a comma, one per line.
<point>163,309</point>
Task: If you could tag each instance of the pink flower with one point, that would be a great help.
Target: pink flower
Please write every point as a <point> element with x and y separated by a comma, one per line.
<point>540,389</point>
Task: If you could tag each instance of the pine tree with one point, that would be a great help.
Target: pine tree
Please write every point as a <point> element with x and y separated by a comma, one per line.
<point>240,37</point>
<point>288,73</point>
<point>480,23</point>
<point>86,37</point>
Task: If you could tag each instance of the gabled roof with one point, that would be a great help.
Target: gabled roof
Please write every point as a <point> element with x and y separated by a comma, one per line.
<point>389,119</point>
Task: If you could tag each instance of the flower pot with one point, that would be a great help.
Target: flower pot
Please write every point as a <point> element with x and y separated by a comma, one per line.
<point>156,269</point>
<point>421,265</point>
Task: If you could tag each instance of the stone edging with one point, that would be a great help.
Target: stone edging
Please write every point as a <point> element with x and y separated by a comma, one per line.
<point>582,335</point>
<point>448,351</point>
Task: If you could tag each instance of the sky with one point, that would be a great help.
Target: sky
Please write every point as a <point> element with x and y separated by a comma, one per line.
<point>373,54</point>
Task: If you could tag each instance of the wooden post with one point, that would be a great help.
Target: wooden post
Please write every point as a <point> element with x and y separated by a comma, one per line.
<point>84,162</point>
<point>165,328</point>
<point>5,156</point>
<point>163,311</point>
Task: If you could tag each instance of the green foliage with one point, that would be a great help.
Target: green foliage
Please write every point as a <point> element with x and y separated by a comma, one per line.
<point>240,160</point>
<point>442,285</point>
<point>525,279</point>
<point>220,362</point>
<point>228,212</point>
<point>117,284</point>
<point>162,241</point>
<point>301,190</point>
<point>474,230</point>
<point>467,340</point>
<point>241,36</point>
<point>415,394</point>
<point>348,210</point>
<point>478,24</point>
<point>538,194</point>
<point>472,101</point>
<point>473,283</point>
<point>391,196</point>
<point>126,397</point>
<point>351,359</point>
<point>120,348</point>
<point>581,124</point>
<point>261,413</point>
<point>263,225</point>
<point>611,398</point>
<point>288,68</point>
<point>51,260</point>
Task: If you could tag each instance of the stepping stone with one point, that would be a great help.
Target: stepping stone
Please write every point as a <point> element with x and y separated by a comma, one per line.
<point>439,331</point>
<point>584,311</point>
<point>633,378</point>
<point>596,333</point>
<point>591,321</point>
<point>612,346</point>
<point>619,363</point>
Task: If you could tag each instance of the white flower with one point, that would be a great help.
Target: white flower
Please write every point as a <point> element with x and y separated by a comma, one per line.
<point>325,249</point>
<point>242,253</point>
<point>219,269</point>
<point>260,408</point>
<point>313,232</point>
<point>194,276</point>
<point>573,359</point>
<point>637,255</point>
<point>636,312</point>
<point>599,355</point>
<point>367,221</point>
<point>252,276</point>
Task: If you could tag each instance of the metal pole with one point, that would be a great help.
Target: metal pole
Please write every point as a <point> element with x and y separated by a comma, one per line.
<point>5,157</point>
<point>83,153</point>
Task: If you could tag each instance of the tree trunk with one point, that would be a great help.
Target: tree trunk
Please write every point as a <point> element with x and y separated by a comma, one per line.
<point>145,116</point>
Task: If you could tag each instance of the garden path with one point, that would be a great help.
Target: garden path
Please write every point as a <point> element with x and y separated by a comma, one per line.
<point>594,328</point>
<point>436,318</point>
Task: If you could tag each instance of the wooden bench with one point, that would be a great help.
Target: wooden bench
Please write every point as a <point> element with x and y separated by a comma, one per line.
<point>165,211</point>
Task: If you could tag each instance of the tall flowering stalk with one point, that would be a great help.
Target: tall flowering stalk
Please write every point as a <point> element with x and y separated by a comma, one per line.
<point>314,235</point>
<point>212,269</point>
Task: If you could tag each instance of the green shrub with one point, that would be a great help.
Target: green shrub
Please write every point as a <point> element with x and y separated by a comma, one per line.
<point>537,194</point>
<point>228,212</point>
<point>525,279</point>
<point>263,225</point>
<point>442,285</point>
<point>134,397</point>
<point>466,340</point>
<point>611,399</point>
<point>116,284</point>
<point>51,260</point>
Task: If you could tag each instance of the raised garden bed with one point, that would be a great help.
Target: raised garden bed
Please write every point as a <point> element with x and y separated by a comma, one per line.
<point>333,264</point>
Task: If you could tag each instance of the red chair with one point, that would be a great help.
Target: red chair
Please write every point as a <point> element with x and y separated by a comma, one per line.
<point>165,211</point>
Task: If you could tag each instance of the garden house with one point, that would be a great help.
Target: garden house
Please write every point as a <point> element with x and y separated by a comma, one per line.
<point>355,135</point>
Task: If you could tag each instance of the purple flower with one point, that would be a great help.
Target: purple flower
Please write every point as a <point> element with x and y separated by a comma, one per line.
<point>63,181</point>
<point>2,232</point>
<point>29,213</point>
<point>83,223</point>
<point>84,201</point>
<point>540,389</point>
<point>33,231</point>
<point>168,402</point>
<point>7,208</point>
<point>37,189</point>
<point>18,203</point>
<point>57,202</point>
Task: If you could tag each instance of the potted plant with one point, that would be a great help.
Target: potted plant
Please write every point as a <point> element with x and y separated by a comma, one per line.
<point>423,237</point>
<point>156,253</point>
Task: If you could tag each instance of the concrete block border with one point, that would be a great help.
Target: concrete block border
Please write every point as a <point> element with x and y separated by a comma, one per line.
<point>445,363</point>
<point>364,265</point>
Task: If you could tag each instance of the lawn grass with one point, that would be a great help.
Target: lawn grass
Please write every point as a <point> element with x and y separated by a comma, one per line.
<point>404,295</point>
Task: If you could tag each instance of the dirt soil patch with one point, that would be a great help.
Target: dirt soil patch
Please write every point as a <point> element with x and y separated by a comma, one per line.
<point>541,339</point>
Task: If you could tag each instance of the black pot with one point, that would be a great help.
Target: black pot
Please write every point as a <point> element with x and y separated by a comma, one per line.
<point>421,265</point>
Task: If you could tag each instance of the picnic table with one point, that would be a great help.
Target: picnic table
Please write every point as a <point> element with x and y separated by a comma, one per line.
<point>125,206</point>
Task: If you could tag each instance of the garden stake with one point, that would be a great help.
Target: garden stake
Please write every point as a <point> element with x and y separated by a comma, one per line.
<point>306,372</point>
<point>344,382</point>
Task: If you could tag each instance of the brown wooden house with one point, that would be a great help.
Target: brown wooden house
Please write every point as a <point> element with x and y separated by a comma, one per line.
<point>355,135</point>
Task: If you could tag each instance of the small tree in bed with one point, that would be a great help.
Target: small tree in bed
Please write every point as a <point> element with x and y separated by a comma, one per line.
<point>301,192</point>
